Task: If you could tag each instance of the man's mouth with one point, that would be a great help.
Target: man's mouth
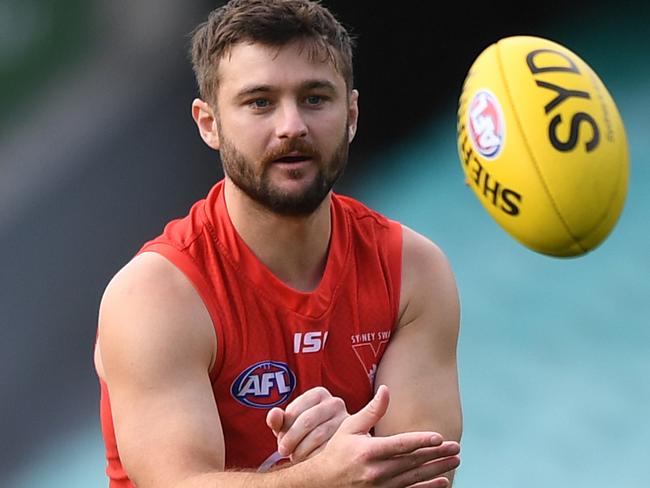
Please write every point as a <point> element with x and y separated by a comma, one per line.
<point>293,158</point>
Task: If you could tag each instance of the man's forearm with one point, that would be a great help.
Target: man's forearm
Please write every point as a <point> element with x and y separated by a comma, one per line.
<point>296,475</point>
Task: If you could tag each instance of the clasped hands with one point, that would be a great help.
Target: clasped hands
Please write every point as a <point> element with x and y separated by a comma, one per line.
<point>317,425</point>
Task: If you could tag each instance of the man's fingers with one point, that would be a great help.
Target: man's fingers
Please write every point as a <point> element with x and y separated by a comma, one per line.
<point>275,419</point>
<point>312,428</point>
<point>427,454</point>
<point>407,442</point>
<point>431,473</point>
<point>298,406</point>
<point>311,443</point>
<point>423,464</point>
<point>366,418</point>
<point>307,400</point>
<point>440,482</point>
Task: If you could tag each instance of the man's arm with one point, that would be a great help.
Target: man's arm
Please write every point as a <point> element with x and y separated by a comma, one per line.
<point>155,348</point>
<point>419,365</point>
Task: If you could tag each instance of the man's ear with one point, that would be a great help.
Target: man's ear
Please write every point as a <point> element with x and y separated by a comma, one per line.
<point>205,120</point>
<point>353,114</point>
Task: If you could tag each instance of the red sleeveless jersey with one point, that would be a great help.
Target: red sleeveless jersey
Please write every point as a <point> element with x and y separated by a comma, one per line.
<point>273,342</point>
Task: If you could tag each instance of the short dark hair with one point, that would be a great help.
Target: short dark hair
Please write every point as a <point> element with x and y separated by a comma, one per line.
<point>273,23</point>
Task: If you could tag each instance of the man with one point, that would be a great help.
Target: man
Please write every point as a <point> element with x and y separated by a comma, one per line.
<point>257,341</point>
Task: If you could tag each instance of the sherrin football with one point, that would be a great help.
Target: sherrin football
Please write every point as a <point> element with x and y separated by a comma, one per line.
<point>543,146</point>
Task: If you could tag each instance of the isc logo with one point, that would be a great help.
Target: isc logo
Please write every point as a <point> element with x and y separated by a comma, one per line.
<point>264,384</point>
<point>309,341</point>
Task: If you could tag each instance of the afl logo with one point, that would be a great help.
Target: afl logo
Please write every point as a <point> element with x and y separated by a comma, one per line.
<point>486,124</point>
<point>264,385</point>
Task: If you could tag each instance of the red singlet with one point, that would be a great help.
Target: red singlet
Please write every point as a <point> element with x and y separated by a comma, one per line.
<point>273,342</point>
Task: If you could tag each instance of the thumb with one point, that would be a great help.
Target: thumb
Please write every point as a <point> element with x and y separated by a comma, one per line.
<point>275,419</point>
<point>366,418</point>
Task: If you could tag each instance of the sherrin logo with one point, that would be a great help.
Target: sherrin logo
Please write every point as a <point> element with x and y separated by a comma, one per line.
<point>486,124</point>
<point>264,385</point>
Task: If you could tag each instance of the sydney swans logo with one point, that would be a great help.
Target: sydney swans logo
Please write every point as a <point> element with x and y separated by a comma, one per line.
<point>369,348</point>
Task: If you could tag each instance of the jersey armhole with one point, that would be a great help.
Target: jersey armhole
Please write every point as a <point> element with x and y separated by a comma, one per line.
<point>395,240</point>
<point>190,269</point>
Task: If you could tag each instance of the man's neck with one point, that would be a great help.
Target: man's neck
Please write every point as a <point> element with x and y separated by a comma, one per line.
<point>295,249</point>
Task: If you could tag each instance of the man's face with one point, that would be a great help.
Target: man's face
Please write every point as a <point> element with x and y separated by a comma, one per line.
<point>284,124</point>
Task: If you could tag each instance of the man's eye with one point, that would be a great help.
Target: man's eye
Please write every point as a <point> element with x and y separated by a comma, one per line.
<point>259,103</point>
<point>315,99</point>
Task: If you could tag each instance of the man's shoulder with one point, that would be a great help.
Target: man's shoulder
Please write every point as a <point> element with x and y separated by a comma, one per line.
<point>427,273</point>
<point>422,255</point>
<point>418,243</point>
<point>150,320</point>
<point>146,273</point>
<point>149,296</point>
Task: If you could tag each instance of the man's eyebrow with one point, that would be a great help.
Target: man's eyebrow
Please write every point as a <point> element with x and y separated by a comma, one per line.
<point>312,84</point>
<point>264,88</point>
<point>254,89</point>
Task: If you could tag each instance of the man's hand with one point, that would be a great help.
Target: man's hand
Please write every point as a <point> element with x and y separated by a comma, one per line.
<point>354,458</point>
<point>307,424</point>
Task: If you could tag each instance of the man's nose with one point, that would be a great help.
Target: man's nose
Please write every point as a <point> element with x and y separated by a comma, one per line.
<point>290,122</point>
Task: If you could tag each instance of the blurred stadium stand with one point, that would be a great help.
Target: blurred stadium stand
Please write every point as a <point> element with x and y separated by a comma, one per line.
<point>98,151</point>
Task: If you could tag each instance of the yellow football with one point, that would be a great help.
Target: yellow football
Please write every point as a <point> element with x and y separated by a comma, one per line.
<point>543,146</point>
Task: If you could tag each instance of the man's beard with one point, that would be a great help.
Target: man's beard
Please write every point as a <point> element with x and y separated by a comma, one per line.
<point>258,186</point>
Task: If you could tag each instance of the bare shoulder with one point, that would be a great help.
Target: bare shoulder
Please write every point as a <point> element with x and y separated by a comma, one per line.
<point>428,281</point>
<point>417,247</point>
<point>151,310</point>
